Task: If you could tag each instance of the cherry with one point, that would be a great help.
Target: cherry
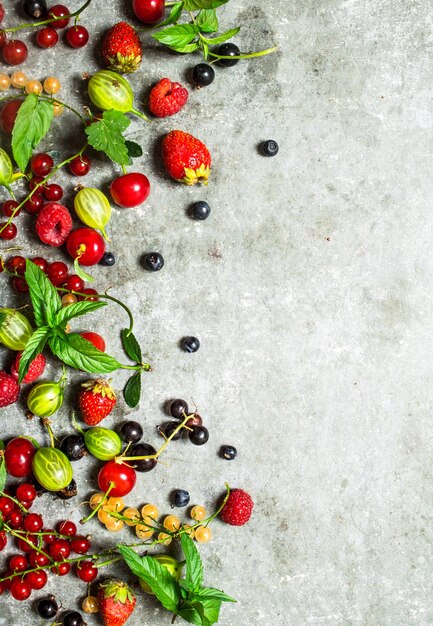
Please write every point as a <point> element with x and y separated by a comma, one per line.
<point>59,10</point>
<point>15,519</point>
<point>60,549</point>
<point>38,559</point>
<point>33,523</point>
<point>36,580</point>
<point>8,232</point>
<point>20,285</point>
<point>19,455</point>
<point>15,52</point>
<point>94,338</point>
<point>77,36</point>
<point>8,208</point>
<point>86,245</point>
<point>25,492</point>
<point>80,166</point>
<point>74,283</point>
<point>41,263</point>
<point>80,545</point>
<point>90,294</point>
<point>130,190</point>
<point>53,192</point>
<point>66,528</point>
<point>149,11</point>
<point>18,563</point>
<point>41,164</point>
<point>57,273</point>
<point>47,37</point>
<point>17,265</point>
<point>122,476</point>
<point>8,115</point>
<point>35,203</point>
<point>20,589</point>
<point>61,569</point>
<point>87,571</point>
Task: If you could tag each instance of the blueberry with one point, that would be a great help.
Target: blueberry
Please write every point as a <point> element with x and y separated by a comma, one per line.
<point>200,210</point>
<point>130,432</point>
<point>142,449</point>
<point>228,452</point>
<point>199,435</point>
<point>228,50</point>
<point>190,344</point>
<point>203,74</point>
<point>180,497</point>
<point>108,259</point>
<point>178,408</point>
<point>269,148</point>
<point>153,261</point>
<point>47,607</point>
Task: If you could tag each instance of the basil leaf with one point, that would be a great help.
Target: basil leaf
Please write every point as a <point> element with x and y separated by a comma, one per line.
<point>134,149</point>
<point>45,299</point>
<point>106,135</point>
<point>132,390</point>
<point>34,346</point>
<point>223,37</point>
<point>213,594</point>
<point>207,21</point>
<point>194,566</point>
<point>163,584</point>
<point>131,345</point>
<point>175,14</point>
<point>76,352</point>
<point>177,36</point>
<point>196,5</point>
<point>3,474</point>
<point>31,125</point>
<point>67,313</point>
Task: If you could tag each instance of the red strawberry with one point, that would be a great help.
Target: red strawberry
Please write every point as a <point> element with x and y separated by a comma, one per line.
<point>167,98</point>
<point>35,370</point>
<point>116,601</point>
<point>238,508</point>
<point>121,48</point>
<point>9,389</point>
<point>96,401</point>
<point>53,224</point>
<point>186,158</point>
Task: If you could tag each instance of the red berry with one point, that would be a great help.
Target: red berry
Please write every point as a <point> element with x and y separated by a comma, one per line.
<point>60,549</point>
<point>25,492</point>
<point>28,543</point>
<point>167,98</point>
<point>18,563</point>
<point>57,273</point>
<point>6,506</point>
<point>8,115</point>
<point>41,164</point>
<point>20,285</point>
<point>35,181</point>
<point>238,508</point>
<point>49,536</point>
<point>59,10</point>
<point>47,37</point>
<point>9,391</point>
<point>96,339</point>
<point>80,545</point>
<point>35,203</point>
<point>53,224</point>
<point>15,52</point>
<point>74,283</point>
<point>8,231</point>
<point>9,207</point>
<point>36,580</point>
<point>77,36</point>
<point>130,190</point>
<point>121,475</point>
<point>86,245</point>
<point>66,528</point>
<point>20,589</point>
<point>35,371</point>
<point>53,192</point>
<point>2,12</point>
<point>19,454</point>
<point>16,265</point>
<point>80,166</point>
<point>61,569</point>
<point>33,523</point>
<point>15,519</point>
<point>91,295</point>
<point>87,571</point>
<point>3,540</point>
<point>149,11</point>
<point>27,505</point>
<point>41,263</point>
<point>38,559</point>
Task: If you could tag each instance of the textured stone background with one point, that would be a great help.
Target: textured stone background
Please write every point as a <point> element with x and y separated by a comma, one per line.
<point>310,288</point>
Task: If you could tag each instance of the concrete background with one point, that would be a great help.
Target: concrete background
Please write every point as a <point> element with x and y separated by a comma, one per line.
<point>310,289</point>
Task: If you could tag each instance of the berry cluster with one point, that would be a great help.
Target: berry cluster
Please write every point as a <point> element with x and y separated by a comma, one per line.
<point>20,80</point>
<point>197,433</point>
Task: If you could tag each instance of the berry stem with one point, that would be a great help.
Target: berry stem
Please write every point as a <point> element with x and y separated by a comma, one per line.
<point>17,502</point>
<point>121,459</point>
<point>250,55</point>
<point>67,106</point>
<point>49,21</point>
<point>96,509</point>
<point>146,119</point>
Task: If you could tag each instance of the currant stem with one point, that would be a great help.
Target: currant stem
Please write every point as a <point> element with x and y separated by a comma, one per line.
<point>17,502</point>
<point>49,21</point>
<point>250,55</point>
<point>96,509</point>
<point>67,106</point>
<point>161,449</point>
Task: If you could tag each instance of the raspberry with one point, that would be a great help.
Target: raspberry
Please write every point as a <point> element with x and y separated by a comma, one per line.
<point>167,98</point>
<point>238,508</point>
<point>35,370</point>
<point>53,224</point>
<point>9,389</point>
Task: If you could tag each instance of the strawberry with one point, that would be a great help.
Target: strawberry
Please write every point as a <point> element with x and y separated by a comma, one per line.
<point>121,48</point>
<point>116,601</point>
<point>186,158</point>
<point>9,389</point>
<point>167,98</point>
<point>35,370</point>
<point>96,400</point>
<point>238,508</point>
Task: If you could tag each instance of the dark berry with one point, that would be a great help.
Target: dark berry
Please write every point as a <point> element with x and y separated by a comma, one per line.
<point>47,607</point>
<point>35,8</point>
<point>228,452</point>
<point>130,432</point>
<point>269,148</point>
<point>199,435</point>
<point>72,618</point>
<point>73,446</point>
<point>153,261</point>
<point>228,50</point>
<point>142,449</point>
<point>168,429</point>
<point>180,497</point>
<point>195,420</point>
<point>200,210</point>
<point>203,74</point>
<point>68,492</point>
<point>108,259</point>
<point>178,408</point>
<point>190,344</point>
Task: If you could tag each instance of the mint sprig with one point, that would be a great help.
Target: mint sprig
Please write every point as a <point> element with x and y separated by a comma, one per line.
<point>31,125</point>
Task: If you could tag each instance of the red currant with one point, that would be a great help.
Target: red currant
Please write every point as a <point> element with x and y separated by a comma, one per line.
<point>87,571</point>
<point>2,38</point>
<point>9,207</point>
<point>41,164</point>
<point>6,506</point>
<point>17,265</point>
<point>35,181</point>
<point>28,543</point>
<point>66,528</point>
<point>49,536</point>
<point>35,203</point>
<point>36,580</point>
<point>80,166</point>
<point>2,13</point>
<point>38,559</point>
<point>53,192</point>
<point>41,263</point>
<point>18,563</point>
<point>33,523</point>
<point>59,10</point>
<point>19,454</point>
<point>60,549</point>
<point>57,273</point>
<point>61,569</point>
<point>47,37</point>
<point>8,232</point>
<point>27,505</point>
<point>15,519</point>
<point>74,283</point>
<point>91,295</point>
<point>26,492</point>
<point>80,545</point>
<point>8,115</point>
<point>20,285</point>
<point>149,11</point>
<point>130,190</point>
<point>77,36</point>
<point>20,589</point>
<point>15,52</point>
<point>94,338</point>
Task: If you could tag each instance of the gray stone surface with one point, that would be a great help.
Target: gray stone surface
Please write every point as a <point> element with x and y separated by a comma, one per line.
<point>309,287</point>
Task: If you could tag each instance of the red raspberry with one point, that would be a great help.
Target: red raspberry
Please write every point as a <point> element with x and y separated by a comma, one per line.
<point>167,98</point>
<point>9,389</point>
<point>35,370</point>
<point>53,224</point>
<point>238,508</point>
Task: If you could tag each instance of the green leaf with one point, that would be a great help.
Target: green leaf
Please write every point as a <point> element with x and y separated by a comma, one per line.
<point>208,609</point>
<point>134,149</point>
<point>207,21</point>
<point>67,313</point>
<point>223,37</point>
<point>3,474</point>
<point>190,47</point>
<point>76,352</point>
<point>31,125</point>
<point>131,345</point>
<point>163,584</point>
<point>45,299</point>
<point>175,13</point>
<point>34,346</point>
<point>213,594</point>
<point>177,36</point>
<point>106,135</point>
<point>194,566</point>
<point>190,614</point>
<point>132,390</point>
<point>196,5</point>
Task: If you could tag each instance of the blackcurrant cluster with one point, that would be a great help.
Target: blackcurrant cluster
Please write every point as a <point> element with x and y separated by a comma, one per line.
<point>197,433</point>
<point>203,74</point>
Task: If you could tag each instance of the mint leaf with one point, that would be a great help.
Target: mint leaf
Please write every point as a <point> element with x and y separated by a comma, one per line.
<point>209,610</point>
<point>194,566</point>
<point>196,5</point>
<point>190,614</point>
<point>175,13</point>
<point>67,313</point>
<point>176,37</point>
<point>163,584</point>
<point>45,299</point>
<point>106,135</point>
<point>131,345</point>
<point>31,125</point>
<point>76,352</point>
<point>134,149</point>
<point>34,346</point>
<point>132,390</point>
<point>190,47</point>
<point>3,474</point>
<point>207,21</point>
<point>213,594</point>
<point>223,37</point>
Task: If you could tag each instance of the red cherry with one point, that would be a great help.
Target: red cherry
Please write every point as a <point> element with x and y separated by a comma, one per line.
<point>8,231</point>
<point>96,339</point>
<point>15,52</point>
<point>38,559</point>
<point>18,563</point>
<point>17,265</point>
<point>87,571</point>
<point>47,37</point>
<point>8,208</point>
<point>149,11</point>
<point>77,36</point>
<point>15,519</point>
<point>91,295</point>
<point>86,245</point>
<point>26,492</point>
<point>53,192</point>
<point>130,190</point>
<point>33,523</point>
<point>61,569</point>
<point>122,476</point>
<point>57,273</point>
<point>80,545</point>
<point>19,455</point>
<point>66,528</point>
<point>20,589</point>
<point>20,285</point>
<point>41,164</point>
<point>80,166</point>
<point>60,549</point>
<point>8,115</point>
<point>41,263</point>
<point>74,283</point>
<point>36,580</point>
<point>35,203</point>
<point>28,543</point>
<point>59,10</point>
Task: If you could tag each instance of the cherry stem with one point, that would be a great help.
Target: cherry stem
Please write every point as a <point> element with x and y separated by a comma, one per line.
<point>96,509</point>
<point>49,21</point>
<point>161,449</point>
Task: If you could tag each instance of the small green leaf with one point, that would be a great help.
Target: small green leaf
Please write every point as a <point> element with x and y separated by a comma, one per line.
<point>31,125</point>
<point>106,135</point>
<point>67,313</point>
<point>190,47</point>
<point>223,37</point>
<point>190,614</point>
<point>76,352</point>
<point>207,21</point>
<point>177,36</point>
<point>45,299</point>
<point>213,594</point>
<point>132,390</point>
<point>134,149</point>
<point>175,13</point>
<point>209,610</point>
<point>131,345</point>
<point>3,474</point>
<point>34,346</point>
<point>194,566</point>
<point>196,5</point>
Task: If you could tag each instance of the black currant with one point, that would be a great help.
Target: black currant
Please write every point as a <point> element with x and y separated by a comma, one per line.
<point>73,446</point>
<point>228,452</point>
<point>130,431</point>
<point>199,435</point>
<point>153,261</point>
<point>142,449</point>
<point>228,50</point>
<point>47,607</point>
<point>168,429</point>
<point>269,148</point>
<point>180,497</point>
<point>200,210</point>
<point>203,74</point>
<point>190,344</point>
<point>195,420</point>
<point>35,8</point>
<point>68,492</point>
<point>72,618</point>
<point>178,408</point>
<point>108,259</point>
